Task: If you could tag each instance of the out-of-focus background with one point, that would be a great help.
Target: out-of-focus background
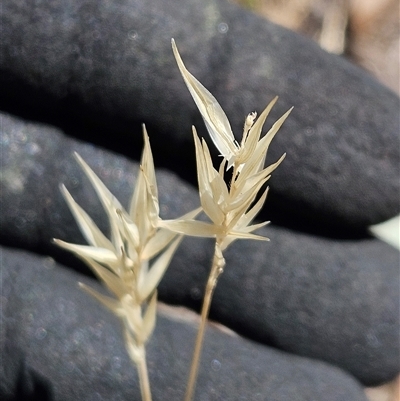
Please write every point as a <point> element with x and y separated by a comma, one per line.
<point>364,31</point>
<point>367,32</point>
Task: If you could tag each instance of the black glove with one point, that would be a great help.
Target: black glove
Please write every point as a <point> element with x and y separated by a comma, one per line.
<point>96,70</point>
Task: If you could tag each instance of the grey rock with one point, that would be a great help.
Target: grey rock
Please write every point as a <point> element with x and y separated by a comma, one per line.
<point>108,67</point>
<point>59,344</point>
<point>334,300</point>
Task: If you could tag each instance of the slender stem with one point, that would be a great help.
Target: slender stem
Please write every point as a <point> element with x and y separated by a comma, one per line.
<point>216,270</point>
<point>144,378</point>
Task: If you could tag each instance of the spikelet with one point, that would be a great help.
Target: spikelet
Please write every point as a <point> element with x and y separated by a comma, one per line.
<point>131,263</point>
<point>232,208</point>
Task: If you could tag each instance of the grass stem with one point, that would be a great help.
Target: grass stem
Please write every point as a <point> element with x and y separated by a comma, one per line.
<point>144,378</point>
<point>216,270</point>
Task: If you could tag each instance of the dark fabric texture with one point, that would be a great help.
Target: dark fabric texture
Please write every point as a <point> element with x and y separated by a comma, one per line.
<point>108,66</point>
<point>335,300</point>
<point>55,349</point>
<point>317,308</point>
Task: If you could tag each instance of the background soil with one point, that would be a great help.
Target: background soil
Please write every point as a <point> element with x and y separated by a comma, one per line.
<point>364,31</point>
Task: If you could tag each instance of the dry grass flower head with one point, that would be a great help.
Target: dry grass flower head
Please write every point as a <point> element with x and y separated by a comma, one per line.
<point>122,263</point>
<point>230,207</point>
<point>133,261</point>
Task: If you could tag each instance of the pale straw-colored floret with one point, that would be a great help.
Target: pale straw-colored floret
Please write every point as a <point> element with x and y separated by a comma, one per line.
<point>231,207</point>
<point>132,262</point>
<point>219,128</point>
<point>122,263</point>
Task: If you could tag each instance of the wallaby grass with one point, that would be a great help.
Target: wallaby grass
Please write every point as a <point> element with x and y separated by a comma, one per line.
<point>133,261</point>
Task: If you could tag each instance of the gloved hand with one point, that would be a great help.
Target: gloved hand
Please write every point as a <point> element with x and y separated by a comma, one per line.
<point>320,295</point>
